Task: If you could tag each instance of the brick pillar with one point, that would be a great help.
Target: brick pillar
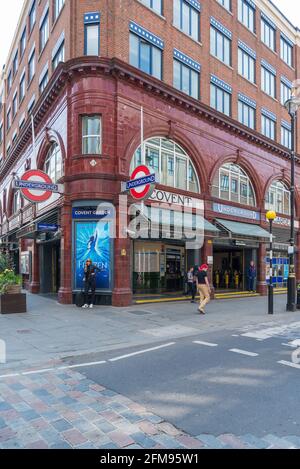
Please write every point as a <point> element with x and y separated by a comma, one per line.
<point>298,257</point>
<point>65,292</point>
<point>208,251</point>
<point>34,286</point>
<point>262,287</point>
<point>122,292</point>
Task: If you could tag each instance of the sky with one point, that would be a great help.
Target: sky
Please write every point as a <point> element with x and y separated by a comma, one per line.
<point>10,11</point>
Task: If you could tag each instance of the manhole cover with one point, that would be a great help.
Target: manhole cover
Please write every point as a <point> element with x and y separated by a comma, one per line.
<point>139,313</point>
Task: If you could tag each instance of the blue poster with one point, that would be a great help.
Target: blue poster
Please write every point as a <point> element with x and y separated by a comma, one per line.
<point>93,241</point>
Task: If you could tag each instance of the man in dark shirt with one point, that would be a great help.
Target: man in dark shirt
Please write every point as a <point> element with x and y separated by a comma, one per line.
<point>203,287</point>
<point>89,283</point>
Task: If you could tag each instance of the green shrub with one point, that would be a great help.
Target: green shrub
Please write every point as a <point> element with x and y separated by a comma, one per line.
<point>8,277</point>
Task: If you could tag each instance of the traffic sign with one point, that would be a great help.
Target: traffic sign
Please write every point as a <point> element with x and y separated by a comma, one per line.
<point>142,183</point>
<point>36,186</point>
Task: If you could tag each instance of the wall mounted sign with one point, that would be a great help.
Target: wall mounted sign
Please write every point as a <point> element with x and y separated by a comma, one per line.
<point>176,199</point>
<point>91,213</point>
<point>47,227</point>
<point>36,186</point>
<point>236,211</point>
<point>142,183</point>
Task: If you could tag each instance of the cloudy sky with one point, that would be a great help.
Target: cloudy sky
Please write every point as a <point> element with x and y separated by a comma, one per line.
<point>10,10</point>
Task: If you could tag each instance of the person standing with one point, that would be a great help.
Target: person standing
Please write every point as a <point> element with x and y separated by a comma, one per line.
<point>191,284</point>
<point>203,287</point>
<point>89,279</point>
<point>251,276</point>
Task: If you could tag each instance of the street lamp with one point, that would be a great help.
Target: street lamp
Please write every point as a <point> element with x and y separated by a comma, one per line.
<point>292,106</point>
<point>271,215</point>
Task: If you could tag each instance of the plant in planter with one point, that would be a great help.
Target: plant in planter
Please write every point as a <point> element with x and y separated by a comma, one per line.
<point>11,298</point>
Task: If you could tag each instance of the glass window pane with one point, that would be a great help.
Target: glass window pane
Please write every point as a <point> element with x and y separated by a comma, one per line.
<point>134,50</point>
<point>156,63</point>
<point>181,174</point>
<point>92,39</point>
<point>145,57</point>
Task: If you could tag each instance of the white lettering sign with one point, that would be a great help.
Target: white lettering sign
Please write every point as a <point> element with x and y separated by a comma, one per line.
<point>176,199</point>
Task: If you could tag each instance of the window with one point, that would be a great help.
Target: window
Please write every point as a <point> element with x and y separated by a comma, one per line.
<point>32,16</point>
<point>16,205</point>
<point>15,105</point>
<point>31,104</point>
<point>268,82</point>
<point>22,88</point>
<point>23,43</point>
<point>92,34</point>
<point>155,5</point>
<point>268,34</point>
<point>44,82</point>
<point>59,56</point>
<point>9,82</point>
<point>170,161</point>
<point>58,5</point>
<point>8,119</point>
<point>278,199</point>
<point>220,46</point>
<point>233,184</point>
<point>286,51</point>
<point>187,17</point>
<point>31,67</point>
<point>286,136</point>
<point>15,64</point>
<point>246,14</point>
<point>225,3</point>
<point>268,127</point>
<point>91,135</point>
<point>44,32</point>
<point>54,166</point>
<point>145,56</point>
<point>285,91</point>
<point>220,99</point>
<point>246,114</point>
<point>246,64</point>
<point>186,79</point>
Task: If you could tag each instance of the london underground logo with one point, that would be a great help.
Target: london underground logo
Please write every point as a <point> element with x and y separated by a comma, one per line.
<point>142,183</point>
<point>36,186</point>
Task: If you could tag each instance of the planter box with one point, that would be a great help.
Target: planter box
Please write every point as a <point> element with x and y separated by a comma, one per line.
<point>12,304</point>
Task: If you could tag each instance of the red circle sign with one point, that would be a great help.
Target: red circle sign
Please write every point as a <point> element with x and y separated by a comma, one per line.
<point>143,191</point>
<point>34,195</point>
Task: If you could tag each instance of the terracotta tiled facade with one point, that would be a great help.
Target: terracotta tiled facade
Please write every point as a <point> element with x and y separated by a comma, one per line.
<point>110,87</point>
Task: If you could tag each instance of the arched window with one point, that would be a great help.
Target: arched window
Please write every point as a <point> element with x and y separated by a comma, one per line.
<point>171,162</point>
<point>278,198</point>
<point>232,183</point>
<point>16,203</point>
<point>54,163</point>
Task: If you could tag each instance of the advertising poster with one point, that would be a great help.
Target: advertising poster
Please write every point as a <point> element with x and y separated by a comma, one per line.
<point>92,241</point>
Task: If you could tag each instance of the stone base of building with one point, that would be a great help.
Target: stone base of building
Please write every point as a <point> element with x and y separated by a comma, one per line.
<point>262,289</point>
<point>122,297</point>
<point>65,296</point>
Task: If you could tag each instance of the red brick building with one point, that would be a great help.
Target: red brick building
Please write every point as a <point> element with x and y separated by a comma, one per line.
<point>212,77</point>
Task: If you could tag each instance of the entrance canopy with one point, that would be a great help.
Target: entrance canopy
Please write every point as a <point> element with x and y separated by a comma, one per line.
<point>247,230</point>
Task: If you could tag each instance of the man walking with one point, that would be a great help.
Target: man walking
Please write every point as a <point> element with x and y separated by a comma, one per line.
<point>203,287</point>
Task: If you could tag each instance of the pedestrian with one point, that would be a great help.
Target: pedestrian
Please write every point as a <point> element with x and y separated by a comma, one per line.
<point>203,287</point>
<point>89,279</point>
<point>251,276</point>
<point>191,282</point>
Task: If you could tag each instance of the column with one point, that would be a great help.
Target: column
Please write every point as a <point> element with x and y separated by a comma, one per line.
<point>65,294</point>
<point>262,286</point>
<point>297,257</point>
<point>34,286</point>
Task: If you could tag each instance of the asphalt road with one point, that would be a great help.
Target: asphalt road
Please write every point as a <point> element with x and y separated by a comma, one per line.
<point>208,388</point>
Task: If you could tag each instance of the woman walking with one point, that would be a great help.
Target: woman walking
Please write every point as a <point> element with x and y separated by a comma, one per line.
<point>203,287</point>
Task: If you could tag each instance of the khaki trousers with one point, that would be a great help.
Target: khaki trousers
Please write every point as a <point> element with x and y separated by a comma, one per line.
<point>204,296</point>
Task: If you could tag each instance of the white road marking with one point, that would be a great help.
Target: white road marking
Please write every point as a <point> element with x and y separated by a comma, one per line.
<point>141,351</point>
<point>37,372</point>
<point>293,365</point>
<point>81,365</point>
<point>289,345</point>
<point>208,344</point>
<point>269,332</point>
<point>243,352</point>
<point>235,335</point>
<point>13,375</point>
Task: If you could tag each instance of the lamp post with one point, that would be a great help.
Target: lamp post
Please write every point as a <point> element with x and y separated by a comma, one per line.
<point>292,106</point>
<point>271,215</point>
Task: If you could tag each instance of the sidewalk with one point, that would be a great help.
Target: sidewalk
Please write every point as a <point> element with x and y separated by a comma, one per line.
<point>50,332</point>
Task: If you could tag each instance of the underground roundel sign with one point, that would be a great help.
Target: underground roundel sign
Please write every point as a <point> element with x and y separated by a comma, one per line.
<point>36,186</point>
<point>142,183</point>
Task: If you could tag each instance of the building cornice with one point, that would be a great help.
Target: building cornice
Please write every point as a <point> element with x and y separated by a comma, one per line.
<point>120,70</point>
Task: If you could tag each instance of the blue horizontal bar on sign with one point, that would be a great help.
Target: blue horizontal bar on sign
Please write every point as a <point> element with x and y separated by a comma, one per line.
<point>194,4</point>
<point>186,60</point>
<point>216,24</point>
<point>267,20</point>
<point>286,125</point>
<point>151,179</point>
<point>147,35</point>
<point>247,49</point>
<point>90,18</point>
<point>37,186</point>
<point>246,100</point>
<point>269,67</point>
<point>221,84</point>
<point>287,82</point>
<point>286,39</point>
<point>269,114</point>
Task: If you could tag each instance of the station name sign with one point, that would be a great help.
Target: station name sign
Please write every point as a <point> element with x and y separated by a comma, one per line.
<point>91,213</point>
<point>38,186</point>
